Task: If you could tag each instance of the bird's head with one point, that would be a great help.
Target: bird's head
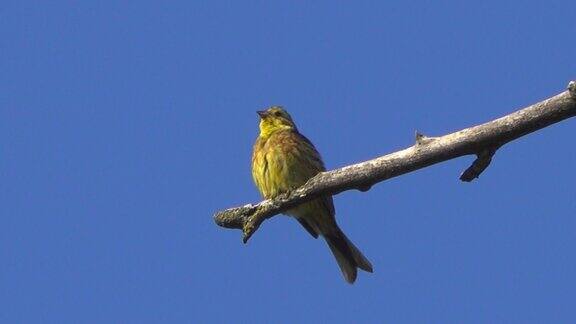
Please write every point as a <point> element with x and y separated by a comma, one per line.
<point>274,119</point>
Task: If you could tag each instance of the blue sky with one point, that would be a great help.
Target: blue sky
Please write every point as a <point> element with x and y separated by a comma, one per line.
<point>124,125</point>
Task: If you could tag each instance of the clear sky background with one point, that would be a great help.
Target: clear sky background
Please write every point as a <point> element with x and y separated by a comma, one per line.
<point>124,125</point>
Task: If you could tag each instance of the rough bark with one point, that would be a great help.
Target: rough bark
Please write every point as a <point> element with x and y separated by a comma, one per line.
<point>482,140</point>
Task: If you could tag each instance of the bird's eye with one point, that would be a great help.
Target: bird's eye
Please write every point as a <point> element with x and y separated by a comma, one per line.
<point>277,113</point>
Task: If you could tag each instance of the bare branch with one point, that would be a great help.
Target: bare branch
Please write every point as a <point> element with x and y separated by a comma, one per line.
<point>482,140</point>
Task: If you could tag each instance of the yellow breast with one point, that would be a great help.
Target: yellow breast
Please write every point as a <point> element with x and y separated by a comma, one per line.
<point>277,164</point>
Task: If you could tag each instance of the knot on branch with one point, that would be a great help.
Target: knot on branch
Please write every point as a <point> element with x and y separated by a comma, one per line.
<point>572,89</point>
<point>422,139</point>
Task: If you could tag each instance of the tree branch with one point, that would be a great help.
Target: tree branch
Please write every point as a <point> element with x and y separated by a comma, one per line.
<point>482,140</point>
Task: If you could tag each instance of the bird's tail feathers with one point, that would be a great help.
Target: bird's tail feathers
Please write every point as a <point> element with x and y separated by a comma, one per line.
<point>347,255</point>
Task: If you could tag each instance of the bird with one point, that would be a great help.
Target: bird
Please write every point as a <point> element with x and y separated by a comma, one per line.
<point>282,160</point>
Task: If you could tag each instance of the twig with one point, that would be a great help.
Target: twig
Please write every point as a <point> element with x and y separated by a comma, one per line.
<point>482,140</point>
<point>479,165</point>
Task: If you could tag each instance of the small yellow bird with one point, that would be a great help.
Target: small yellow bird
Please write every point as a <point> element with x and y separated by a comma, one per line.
<point>283,160</point>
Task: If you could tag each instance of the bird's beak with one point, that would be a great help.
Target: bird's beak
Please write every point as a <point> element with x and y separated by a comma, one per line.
<point>262,113</point>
